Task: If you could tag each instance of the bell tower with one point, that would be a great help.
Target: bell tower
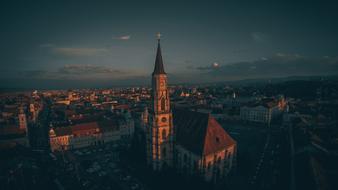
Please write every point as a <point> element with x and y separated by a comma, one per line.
<point>22,119</point>
<point>160,129</point>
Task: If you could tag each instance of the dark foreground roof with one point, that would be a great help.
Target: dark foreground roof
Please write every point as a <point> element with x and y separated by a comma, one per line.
<point>200,133</point>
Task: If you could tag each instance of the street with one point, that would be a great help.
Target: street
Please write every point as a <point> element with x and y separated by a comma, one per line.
<point>263,157</point>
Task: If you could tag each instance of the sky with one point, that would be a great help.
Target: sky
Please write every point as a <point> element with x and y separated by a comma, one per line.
<point>77,44</point>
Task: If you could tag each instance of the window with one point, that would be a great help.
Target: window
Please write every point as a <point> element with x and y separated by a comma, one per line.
<point>162,104</point>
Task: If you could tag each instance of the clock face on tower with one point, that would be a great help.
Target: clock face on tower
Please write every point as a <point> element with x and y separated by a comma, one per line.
<point>163,119</point>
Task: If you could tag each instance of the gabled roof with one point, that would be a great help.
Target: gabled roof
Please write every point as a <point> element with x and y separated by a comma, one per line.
<point>159,68</point>
<point>200,133</point>
<point>88,128</point>
<point>216,137</point>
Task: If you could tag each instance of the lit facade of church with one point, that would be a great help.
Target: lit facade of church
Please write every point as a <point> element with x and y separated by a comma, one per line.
<point>192,143</point>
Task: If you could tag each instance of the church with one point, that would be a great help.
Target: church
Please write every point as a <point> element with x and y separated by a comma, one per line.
<point>190,142</point>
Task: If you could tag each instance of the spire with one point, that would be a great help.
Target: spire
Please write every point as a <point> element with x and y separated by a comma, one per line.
<point>159,69</point>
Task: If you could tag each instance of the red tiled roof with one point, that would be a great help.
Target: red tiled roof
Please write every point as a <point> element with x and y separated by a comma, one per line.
<point>88,128</point>
<point>69,113</point>
<point>121,106</point>
<point>216,137</point>
<point>200,133</point>
<point>108,125</point>
<point>85,128</point>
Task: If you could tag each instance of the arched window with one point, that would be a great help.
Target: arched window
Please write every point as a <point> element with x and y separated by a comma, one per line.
<point>164,134</point>
<point>162,104</point>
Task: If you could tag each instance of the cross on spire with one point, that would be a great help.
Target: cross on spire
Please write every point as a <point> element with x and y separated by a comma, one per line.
<point>158,35</point>
<point>159,68</point>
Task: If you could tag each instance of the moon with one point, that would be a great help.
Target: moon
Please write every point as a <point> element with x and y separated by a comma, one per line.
<point>215,65</point>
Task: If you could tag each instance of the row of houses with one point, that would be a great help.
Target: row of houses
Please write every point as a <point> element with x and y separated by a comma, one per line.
<point>263,112</point>
<point>120,128</point>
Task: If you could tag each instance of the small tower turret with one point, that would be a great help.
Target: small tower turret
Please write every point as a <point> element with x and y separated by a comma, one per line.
<point>22,119</point>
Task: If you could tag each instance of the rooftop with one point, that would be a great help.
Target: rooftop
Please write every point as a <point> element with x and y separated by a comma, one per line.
<point>200,133</point>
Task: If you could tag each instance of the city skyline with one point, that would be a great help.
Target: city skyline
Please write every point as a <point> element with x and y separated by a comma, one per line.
<point>72,44</point>
<point>148,95</point>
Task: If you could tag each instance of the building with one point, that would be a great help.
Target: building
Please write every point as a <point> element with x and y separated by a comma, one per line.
<point>118,129</point>
<point>193,143</point>
<point>144,119</point>
<point>145,116</point>
<point>10,136</point>
<point>202,148</point>
<point>22,119</point>
<point>263,112</point>
<point>160,134</point>
<point>33,112</point>
<point>13,134</point>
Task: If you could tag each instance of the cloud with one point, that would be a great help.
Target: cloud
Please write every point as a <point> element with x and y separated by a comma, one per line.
<point>33,73</point>
<point>206,68</point>
<point>47,45</point>
<point>279,65</point>
<point>259,37</point>
<point>126,37</point>
<point>190,67</point>
<point>213,66</point>
<point>87,69</point>
<point>75,72</point>
<point>66,51</point>
<point>73,51</point>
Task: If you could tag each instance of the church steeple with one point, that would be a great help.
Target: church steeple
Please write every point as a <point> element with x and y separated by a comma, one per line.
<point>159,68</point>
<point>160,131</point>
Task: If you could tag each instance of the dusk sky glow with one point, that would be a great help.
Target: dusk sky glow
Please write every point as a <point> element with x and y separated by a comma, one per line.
<point>87,44</point>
